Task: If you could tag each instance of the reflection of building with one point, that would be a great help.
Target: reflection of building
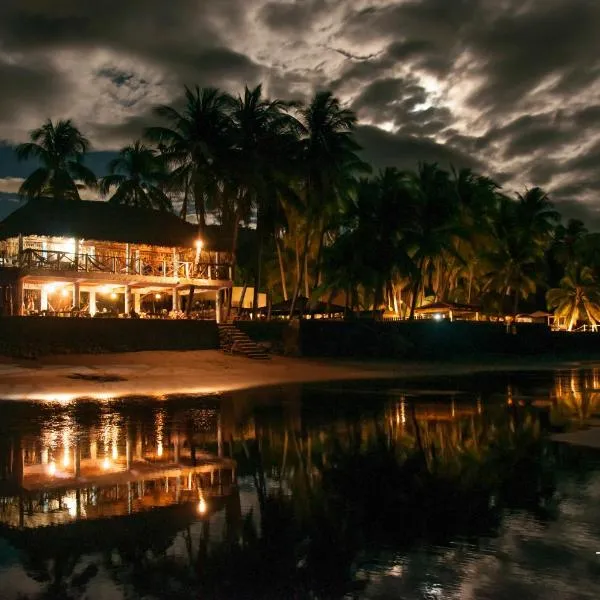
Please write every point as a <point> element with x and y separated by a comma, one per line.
<point>117,465</point>
<point>93,257</point>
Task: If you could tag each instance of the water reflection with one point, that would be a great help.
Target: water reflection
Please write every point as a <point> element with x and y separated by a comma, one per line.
<point>368,490</point>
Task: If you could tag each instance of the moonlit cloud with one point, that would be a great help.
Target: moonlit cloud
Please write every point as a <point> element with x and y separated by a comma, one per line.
<point>508,87</point>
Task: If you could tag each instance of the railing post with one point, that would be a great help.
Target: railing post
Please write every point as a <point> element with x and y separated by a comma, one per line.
<point>209,272</point>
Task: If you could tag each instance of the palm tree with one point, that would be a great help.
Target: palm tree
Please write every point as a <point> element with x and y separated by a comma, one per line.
<point>537,214</point>
<point>60,148</point>
<point>567,239</point>
<point>265,138</point>
<point>329,165</point>
<point>512,266</point>
<point>577,298</point>
<point>138,177</point>
<point>435,225</point>
<point>196,143</point>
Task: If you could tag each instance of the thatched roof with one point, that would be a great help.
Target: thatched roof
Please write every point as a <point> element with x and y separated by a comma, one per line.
<point>107,222</point>
<point>443,307</point>
<point>304,306</point>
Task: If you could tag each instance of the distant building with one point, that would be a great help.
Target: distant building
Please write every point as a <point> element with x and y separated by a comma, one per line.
<point>89,258</point>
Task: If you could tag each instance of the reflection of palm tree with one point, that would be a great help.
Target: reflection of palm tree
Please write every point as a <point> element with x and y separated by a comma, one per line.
<point>577,399</point>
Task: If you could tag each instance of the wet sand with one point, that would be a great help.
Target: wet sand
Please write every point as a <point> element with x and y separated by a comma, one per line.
<point>162,373</point>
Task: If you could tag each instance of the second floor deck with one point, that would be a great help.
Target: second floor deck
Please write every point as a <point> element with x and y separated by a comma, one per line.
<point>173,264</point>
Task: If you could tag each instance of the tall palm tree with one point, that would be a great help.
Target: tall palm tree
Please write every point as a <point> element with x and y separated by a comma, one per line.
<point>60,148</point>
<point>537,214</point>
<point>435,225</point>
<point>265,138</point>
<point>137,177</point>
<point>329,165</point>
<point>567,239</point>
<point>577,298</point>
<point>196,142</point>
<point>513,263</point>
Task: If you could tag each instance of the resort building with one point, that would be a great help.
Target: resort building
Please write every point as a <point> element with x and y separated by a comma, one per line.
<point>66,258</point>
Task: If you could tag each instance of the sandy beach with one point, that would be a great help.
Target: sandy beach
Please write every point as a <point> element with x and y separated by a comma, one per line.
<point>162,373</point>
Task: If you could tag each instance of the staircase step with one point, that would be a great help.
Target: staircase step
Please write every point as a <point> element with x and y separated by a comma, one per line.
<point>232,340</point>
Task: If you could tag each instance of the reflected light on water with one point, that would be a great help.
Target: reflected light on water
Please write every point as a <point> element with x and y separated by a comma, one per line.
<point>202,506</point>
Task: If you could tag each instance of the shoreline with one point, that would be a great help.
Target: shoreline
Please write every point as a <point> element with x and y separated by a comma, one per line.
<point>205,372</point>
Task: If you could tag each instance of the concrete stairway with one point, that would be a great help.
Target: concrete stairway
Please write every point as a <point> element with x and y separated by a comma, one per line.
<point>234,341</point>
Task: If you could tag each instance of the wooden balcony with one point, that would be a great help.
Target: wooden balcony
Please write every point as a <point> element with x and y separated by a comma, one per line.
<point>143,264</point>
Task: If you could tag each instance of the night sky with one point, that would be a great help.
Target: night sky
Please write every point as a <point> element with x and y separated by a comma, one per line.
<point>508,87</point>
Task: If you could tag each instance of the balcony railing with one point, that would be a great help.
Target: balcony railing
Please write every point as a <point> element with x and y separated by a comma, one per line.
<point>146,265</point>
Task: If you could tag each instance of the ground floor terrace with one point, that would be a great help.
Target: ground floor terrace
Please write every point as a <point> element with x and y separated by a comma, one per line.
<point>106,296</point>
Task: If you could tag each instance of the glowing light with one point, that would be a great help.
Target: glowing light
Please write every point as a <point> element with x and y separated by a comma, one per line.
<point>157,296</point>
<point>202,506</point>
<point>198,249</point>
<point>106,464</point>
<point>159,449</point>
<point>66,459</point>
<point>105,289</point>
<point>64,292</point>
<point>70,503</point>
<point>51,287</point>
<point>52,469</point>
<point>67,245</point>
<point>115,453</point>
<point>113,296</point>
<point>437,317</point>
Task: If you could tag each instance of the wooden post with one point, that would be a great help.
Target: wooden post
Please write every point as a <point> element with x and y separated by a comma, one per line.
<point>218,306</point>
<point>43,298</point>
<point>127,298</point>
<point>76,260</point>
<point>93,302</point>
<point>137,303</point>
<point>127,261</point>
<point>76,294</point>
<point>19,296</point>
<point>175,300</point>
<point>175,263</point>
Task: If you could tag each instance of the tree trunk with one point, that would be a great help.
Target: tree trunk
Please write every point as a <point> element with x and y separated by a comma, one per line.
<point>199,205</point>
<point>300,278</point>
<point>257,273</point>
<point>416,289</point>
<point>306,286</point>
<point>516,302</point>
<point>243,296</point>
<point>190,301</point>
<point>317,269</point>
<point>281,269</point>
<point>234,241</point>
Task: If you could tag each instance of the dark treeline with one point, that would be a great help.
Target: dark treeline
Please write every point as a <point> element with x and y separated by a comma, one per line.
<point>327,226</point>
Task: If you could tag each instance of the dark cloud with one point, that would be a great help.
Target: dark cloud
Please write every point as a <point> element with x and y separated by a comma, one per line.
<point>383,149</point>
<point>511,87</point>
<point>402,103</point>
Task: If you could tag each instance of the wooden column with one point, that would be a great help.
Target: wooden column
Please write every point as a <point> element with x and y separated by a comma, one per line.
<point>19,296</point>
<point>76,294</point>
<point>43,298</point>
<point>218,306</point>
<point>137,303</point>
<point>127,298</point>
<point>175,262</point>
<point>175,299</point>
<point>93,302</point>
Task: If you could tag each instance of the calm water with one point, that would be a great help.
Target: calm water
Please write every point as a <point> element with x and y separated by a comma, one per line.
<point>448,488</point>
